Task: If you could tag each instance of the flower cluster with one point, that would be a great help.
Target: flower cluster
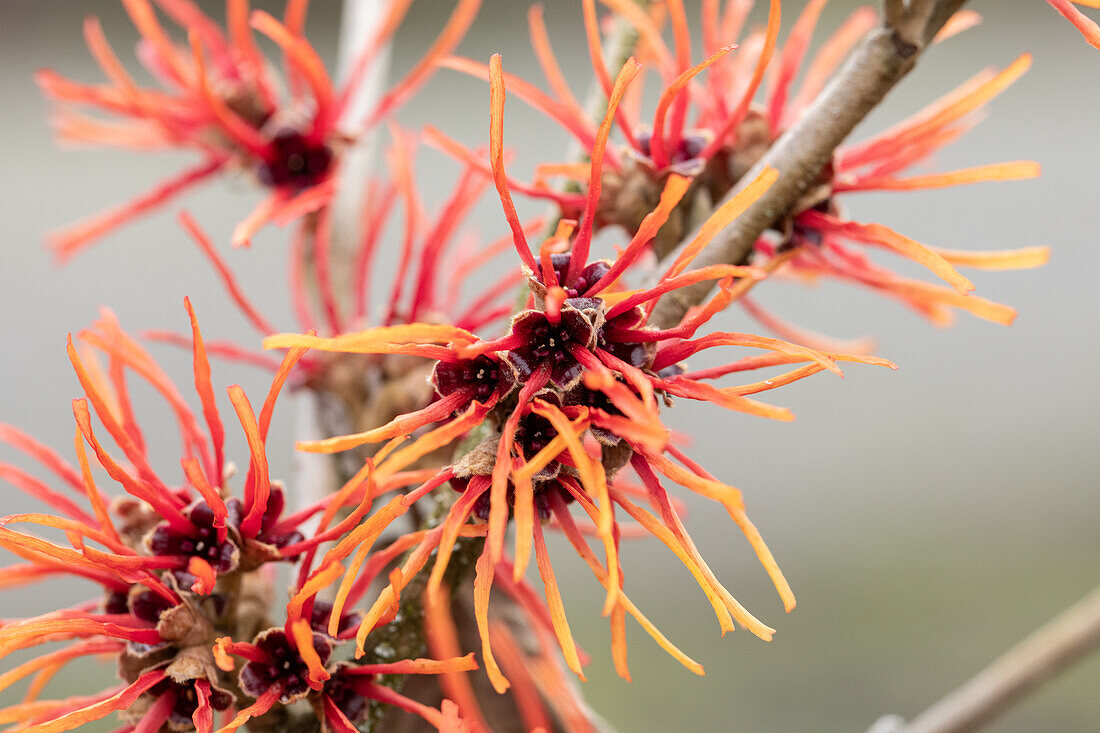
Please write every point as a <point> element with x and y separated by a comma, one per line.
<point>436,262</point>
<point>730,132</point>
<point>472,414</point>
<point>185,571</point>
<point>565,399</point>
<point>218,96</point>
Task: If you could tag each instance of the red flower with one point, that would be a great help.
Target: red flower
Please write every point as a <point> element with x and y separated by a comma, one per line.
<point>181,566</point>
<point>729,132</point>
<point>285,666</point>
<point>568,396</point>
<point>218,97</point>
<point>347,693</point>
<point>435,261</point>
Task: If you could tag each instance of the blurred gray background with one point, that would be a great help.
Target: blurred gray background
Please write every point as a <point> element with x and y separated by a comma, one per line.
<point>926,518</point>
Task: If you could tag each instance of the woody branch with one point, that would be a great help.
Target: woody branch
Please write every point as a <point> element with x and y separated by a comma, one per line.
<point>877,63</point>
<point>1043,655</point>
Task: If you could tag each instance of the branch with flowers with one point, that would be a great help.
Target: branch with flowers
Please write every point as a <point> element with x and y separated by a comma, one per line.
<point>466,425</point>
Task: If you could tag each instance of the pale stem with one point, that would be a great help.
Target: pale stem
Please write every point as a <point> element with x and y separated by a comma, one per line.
<point>1049,651</point>
<point>317,474</point>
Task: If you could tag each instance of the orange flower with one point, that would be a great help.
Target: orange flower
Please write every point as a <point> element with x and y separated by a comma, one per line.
<point>569,395</point>
<point>218,96</point>
<point>175,563</point>
<point>730,131</point>
<point>435,264</point>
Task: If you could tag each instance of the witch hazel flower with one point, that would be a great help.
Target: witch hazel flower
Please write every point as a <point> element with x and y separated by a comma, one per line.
<point>218,96</point>
<point>166,552</point>
<point>435,261</point>
<point>709,127</point>
<point>650,151</point>
<point>179,566</point>
<point>563,403</point>
<point>821,235</point>
<point>299,660</point>
<point>283,667</point>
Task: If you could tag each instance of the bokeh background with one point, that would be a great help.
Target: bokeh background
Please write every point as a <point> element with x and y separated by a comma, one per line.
<point>927,518</point>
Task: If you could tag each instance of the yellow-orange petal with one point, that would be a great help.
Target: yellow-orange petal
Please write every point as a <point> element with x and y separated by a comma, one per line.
<point>302,634</point>
<point>205,577</point>
<point>222,658</point>
<point>556,606</point>
<point>1012,171</point>
<point>443,641</point>
<point>362,341</point>
<point>595,483</point>
<point>421,666</point>
<point>618,642</point>
<point>318,581</point>
<point>962,20</point>
<point>565,521</point>
<point>483,583</point>
<point>1008,259</point>
<point>725,495</point>
<point>665,535</point>
<point>722,217</point>
<point>886,237</point>
<point>765,556</point>
<point>264,703</point>
<point>524,514</point>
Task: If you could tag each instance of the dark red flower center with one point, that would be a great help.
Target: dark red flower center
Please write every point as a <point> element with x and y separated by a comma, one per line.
<point>590,275</point>
<point>202,541</point>
<point>533,434</point>
<point>116,602</point>
<point>690,147</point>
<point>551,344</point>
<point>147,605</point>
<point>636,354</point>
<point>319,616</point>
<point>341,689</point>
<point>294,160</point>
<point>482,375</point>
<point>284,666</point>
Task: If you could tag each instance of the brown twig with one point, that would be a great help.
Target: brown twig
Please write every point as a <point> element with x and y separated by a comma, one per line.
<point>1052,649</point>
<point>880,60</point>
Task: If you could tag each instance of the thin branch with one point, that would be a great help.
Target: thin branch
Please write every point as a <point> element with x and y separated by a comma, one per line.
<point>880,60</point>
<point>1052,649</point>
<point>359,23</point>
<point>318,417</point>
